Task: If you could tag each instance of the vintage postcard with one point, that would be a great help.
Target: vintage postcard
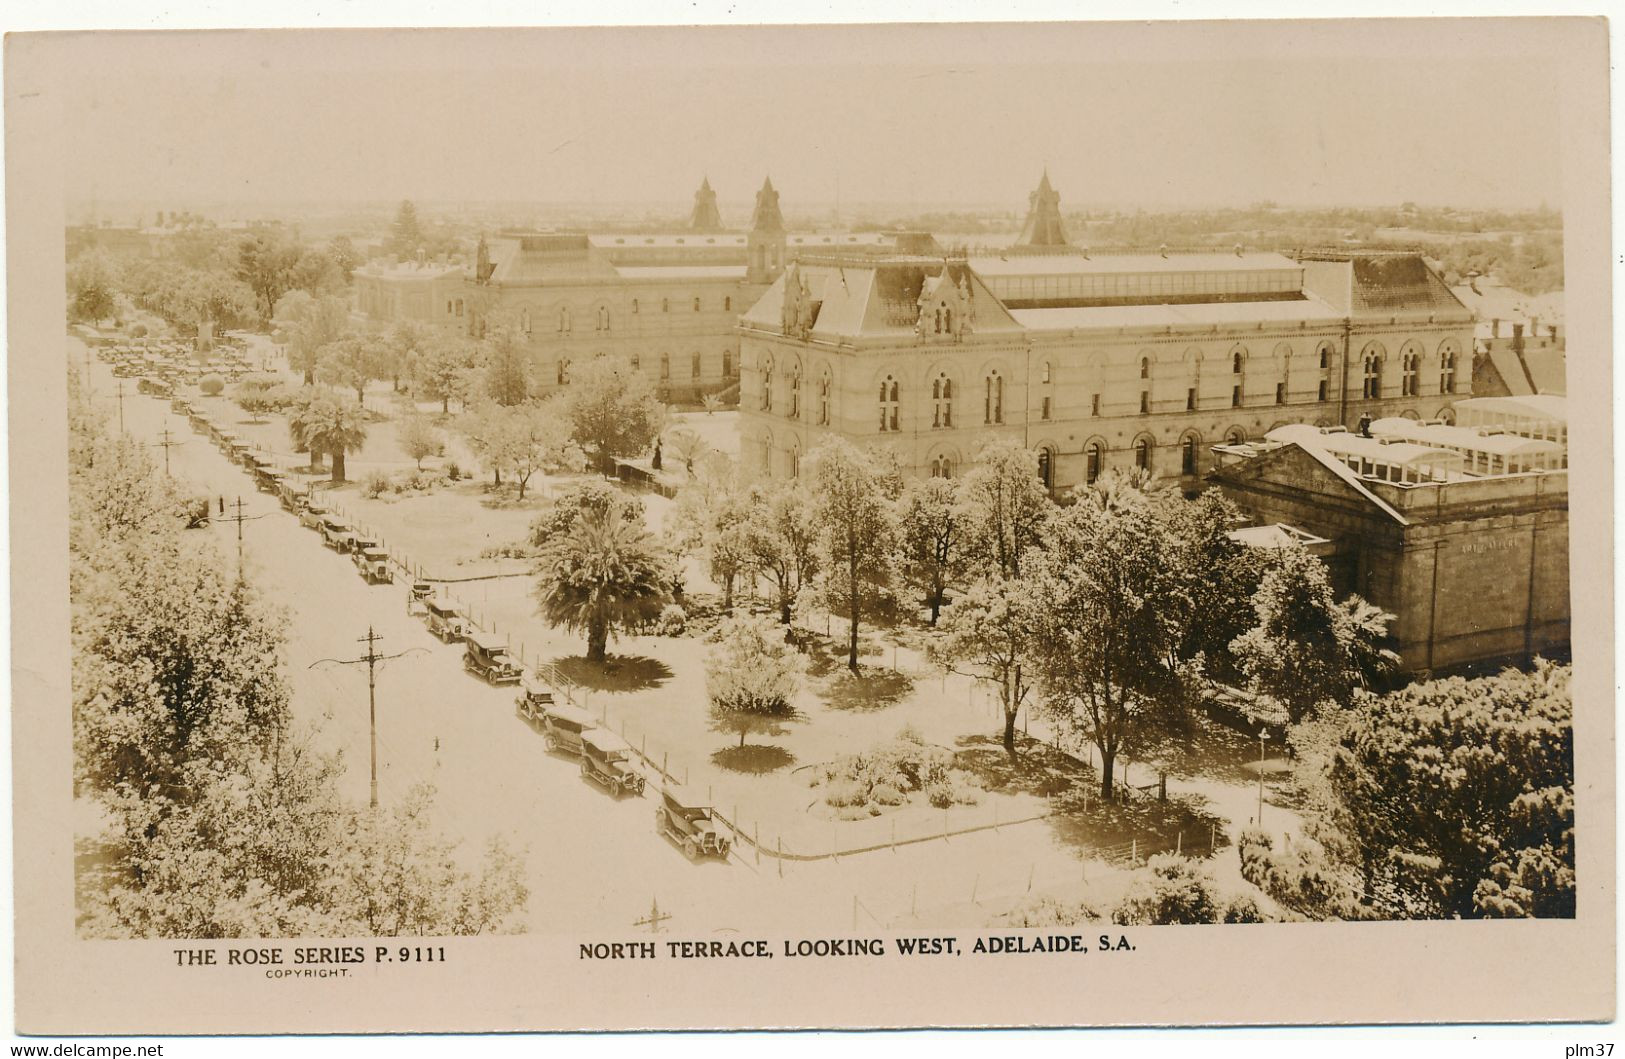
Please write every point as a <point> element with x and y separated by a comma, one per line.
<point>823,526</point>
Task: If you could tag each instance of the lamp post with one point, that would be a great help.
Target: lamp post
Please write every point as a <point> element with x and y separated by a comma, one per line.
<point>1263,737</point>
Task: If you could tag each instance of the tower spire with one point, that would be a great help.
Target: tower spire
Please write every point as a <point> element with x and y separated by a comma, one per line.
<point>1043,226</point>
<point>706,217</point>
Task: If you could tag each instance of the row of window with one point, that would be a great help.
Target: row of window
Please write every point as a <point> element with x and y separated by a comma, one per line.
<point>566,321</point>
<point>694,363</point>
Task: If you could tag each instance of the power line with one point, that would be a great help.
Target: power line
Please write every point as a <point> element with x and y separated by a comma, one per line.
<point>372,659</point>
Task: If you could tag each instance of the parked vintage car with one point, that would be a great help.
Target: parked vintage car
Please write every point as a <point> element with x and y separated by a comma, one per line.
<point>288,493</point>
<point>562,726</point>
<point>373,563</point>
<point>336,532</point>
<point>417,597</point>
<point>312,514</point>
<point>606,759</point>
<point>180,407</point>
<point>685,818</point>
<point>486,656</point>
<point>446,620</point>
<point>533,701</point>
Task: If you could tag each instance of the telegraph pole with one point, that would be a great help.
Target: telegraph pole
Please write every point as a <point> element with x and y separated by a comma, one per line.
<point>238,518</point>
<point>121,417</point>
<point>166,443</point>
<point>372,659</point>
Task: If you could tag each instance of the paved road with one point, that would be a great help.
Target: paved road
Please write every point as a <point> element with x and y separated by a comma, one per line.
<point>594,863</point>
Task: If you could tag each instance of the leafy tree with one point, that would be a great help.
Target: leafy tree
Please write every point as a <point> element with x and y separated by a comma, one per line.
<point>1107,609</point>
<point>527,438</point>
<point>1180,890</point>
<point>507,364</point>
<point>604,576</point>
<point>266,260</point>
<point>93,286</point>
<point>1308,652</point>
<point>354,362</point>
<point>929,531</point>
<point>561,511</point>
<point>346,258</point>
<point>779,538</point>
<point>993,630</point>
<point>613,413</point>
<point>1457,796</point>
<point>254,396</point>
<point>307,324</point>
<point>853,518</point>
<point>405,344</point>
<point>711,514</point>
<point>335,427</point>
<point>751,676</point>
<point>419,438</point>
<point>444,370</point>
<point>406,231</point>
<point>1215,577</point>
<point>686,445</point>
<point>1006,507</point>
<point>211,385</point>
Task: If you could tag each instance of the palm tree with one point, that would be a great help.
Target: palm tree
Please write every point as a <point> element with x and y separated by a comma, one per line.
<point>336,427</point>
<point>300,419</point>
<point>604,575</point>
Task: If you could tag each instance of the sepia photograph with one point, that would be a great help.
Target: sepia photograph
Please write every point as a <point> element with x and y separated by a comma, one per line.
<point>794,504</point>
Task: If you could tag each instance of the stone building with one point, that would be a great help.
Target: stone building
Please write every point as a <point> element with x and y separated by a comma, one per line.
<point>1091,359</point>
<point>1462,535</point>
<point>666,304</point>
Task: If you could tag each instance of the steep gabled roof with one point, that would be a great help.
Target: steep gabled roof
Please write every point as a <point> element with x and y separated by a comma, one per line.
<point>1043,226</point>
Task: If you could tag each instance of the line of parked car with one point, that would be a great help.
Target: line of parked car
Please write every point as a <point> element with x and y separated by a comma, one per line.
<point>606,759</point>
<point>163,364</point>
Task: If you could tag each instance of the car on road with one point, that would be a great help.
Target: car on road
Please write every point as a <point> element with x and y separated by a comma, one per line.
<point>417,597</point>
<point>562,726</point>
<point>606,759</point>
<point>180,406</point>
<point>336,532</point>
<point>447,620</point>
<point>486,656</point>
<point>374,565</point>
<point>686,818</point>
<point>312,514</point>
<point>533,701</point>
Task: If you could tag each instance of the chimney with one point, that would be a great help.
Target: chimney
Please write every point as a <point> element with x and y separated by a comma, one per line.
<point>1517,338</point>
<point>1495,328</point>
<point>1534,326</point>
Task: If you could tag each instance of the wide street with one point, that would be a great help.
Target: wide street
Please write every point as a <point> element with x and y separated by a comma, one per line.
<point>593,863</point>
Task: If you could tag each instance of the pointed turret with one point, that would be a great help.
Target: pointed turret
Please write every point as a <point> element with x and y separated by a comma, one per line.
<point>767,217</point>
<point>706,217</point>
<point>766,241</point>
<point>1043,227</point>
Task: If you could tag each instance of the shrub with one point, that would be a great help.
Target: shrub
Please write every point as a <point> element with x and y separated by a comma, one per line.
<point>1300,877</point>
<point>1047,911</point>
<point>453,472</point>
<point>940,794</point>
<point>964,793</point>
<point>211,385</point>
<point>886,794</point>
<point>673,621</point>
<point>843,792</point>
<point>376,484</point>
<point>853,812</point>
<point>1175,890</point>
<point>1241,908</point>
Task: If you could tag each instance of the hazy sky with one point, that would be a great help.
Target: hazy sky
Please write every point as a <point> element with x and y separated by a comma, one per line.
<point>1121,114</point>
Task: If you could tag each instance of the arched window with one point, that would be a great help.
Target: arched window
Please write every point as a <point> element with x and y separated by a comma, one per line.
<point>1187,454</point>
<point>1325,354</point>
<point>665,367</point>
<point>1235,436</point>
<point>888,404</point>
<point>1046,468</point>
<point>727,304</point>
<point>1046,403</point>
<point>941,468</point>
<point>795,393</point>
<point>1235,363</point>
<point>727,363</point>
<point>1447,367</point>
<point>993,400</point>
<point>795,459</point>
<point>696,304</point>
<point>942,401</point>
<point>1408,380</point>
<point>665,305</point>
<point>1142,453</point>
<point>564,320</point>
<point>823,400</point>
<point>1372,386</point>
<point>603,318</point>
<point>694,366</point>
<point>564,371</point>
<point>767,384</point>
<point>1096,461</point>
